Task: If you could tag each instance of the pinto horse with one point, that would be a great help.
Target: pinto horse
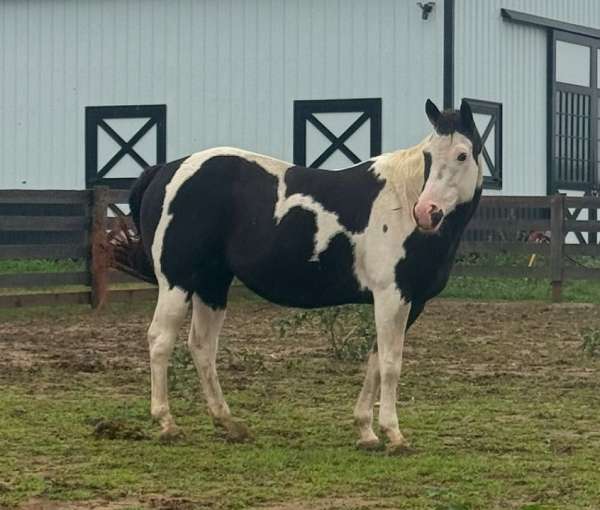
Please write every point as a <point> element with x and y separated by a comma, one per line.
<point>384,231</point>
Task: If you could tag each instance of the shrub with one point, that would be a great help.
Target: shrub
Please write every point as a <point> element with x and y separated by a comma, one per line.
<point>349,330</point>
<point>590,342</point>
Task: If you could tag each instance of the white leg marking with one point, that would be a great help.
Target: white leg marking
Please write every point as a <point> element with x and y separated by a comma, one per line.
<point>391,315</point>
<point>169,314</point>
<point>363,410</point>
<point>203,343</point>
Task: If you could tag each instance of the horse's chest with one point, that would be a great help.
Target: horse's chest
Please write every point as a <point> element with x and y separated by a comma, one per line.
<point>425,268</point>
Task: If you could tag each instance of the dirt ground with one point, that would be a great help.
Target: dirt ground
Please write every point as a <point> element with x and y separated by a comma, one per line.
<point>473,340</point>
<point>519,337</point>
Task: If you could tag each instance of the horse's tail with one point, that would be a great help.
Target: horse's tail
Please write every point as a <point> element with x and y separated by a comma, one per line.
<point>128,254</point>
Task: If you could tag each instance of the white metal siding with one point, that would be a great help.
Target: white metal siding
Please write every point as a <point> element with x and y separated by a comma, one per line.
<point>228,70</point>
<point>504,62</point>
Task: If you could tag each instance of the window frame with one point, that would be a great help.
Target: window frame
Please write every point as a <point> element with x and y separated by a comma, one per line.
<point>370,108</point>
<point>494,110</point>
<point>554,182</point>
<point>156,115</point>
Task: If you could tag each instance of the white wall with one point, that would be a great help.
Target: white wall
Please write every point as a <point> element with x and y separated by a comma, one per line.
<point>228,70</point>
<point>499,61</point>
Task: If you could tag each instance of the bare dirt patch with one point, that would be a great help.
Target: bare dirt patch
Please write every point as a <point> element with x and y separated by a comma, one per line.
<point>455,337</point>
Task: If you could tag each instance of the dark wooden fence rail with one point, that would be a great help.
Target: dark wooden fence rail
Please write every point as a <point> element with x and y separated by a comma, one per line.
<point>506,226</point>
<point>72,224</point>
<point>59,225</point>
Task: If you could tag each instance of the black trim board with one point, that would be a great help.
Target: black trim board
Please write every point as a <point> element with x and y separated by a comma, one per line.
<point>448,54</point>
<point>95,118</point>
<point>539,21</point>
<point>494,111</point>
<point>303,113</point>
<point>550,64</point>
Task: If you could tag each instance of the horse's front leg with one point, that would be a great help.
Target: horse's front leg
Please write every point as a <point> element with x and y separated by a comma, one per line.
<point>363,410</point>
<point>391,315</point>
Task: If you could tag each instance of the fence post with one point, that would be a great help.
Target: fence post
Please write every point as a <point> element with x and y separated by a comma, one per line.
<point>98,260</point>
<point>557,244</point>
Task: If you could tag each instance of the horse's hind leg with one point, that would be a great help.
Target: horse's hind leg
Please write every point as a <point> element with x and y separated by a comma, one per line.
<point>203,344</point>
<point>169,314</point>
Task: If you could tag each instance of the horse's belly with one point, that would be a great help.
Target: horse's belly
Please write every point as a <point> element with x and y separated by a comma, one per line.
<point>280,264</point>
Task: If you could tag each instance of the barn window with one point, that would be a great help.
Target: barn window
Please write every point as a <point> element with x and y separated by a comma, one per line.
<point>574,136</point>
<point>120,141</point>
<point>336,133</point>
<point>488,120</point>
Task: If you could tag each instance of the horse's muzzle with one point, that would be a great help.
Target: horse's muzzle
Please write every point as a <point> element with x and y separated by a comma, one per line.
<point>428,216</point>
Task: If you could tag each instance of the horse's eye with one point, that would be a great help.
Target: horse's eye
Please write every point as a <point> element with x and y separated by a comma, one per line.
<point>462,156</point>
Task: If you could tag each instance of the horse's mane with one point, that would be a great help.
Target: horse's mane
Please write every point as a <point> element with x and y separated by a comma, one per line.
<point>407,168</point>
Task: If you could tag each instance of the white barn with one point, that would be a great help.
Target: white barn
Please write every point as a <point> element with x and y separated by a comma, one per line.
<point>91,91</point>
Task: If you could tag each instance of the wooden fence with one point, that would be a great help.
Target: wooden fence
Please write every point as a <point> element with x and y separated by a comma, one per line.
<point>553,228</point>
<point>60,225</point>
<point>71,225</point>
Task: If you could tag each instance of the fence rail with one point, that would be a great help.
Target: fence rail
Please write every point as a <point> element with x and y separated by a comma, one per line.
<point>82,214</point>
<point>72,225</point>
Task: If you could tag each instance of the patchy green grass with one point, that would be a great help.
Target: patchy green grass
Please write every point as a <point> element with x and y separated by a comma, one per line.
<point>503,414</point>
<point>41,266</point>
<point>473,449</point>
<point>519,289</point>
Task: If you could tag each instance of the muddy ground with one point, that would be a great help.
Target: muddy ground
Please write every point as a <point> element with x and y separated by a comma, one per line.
<point>478,342</point>
<point>451,336</point>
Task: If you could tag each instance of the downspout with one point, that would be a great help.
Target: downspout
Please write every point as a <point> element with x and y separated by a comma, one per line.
<point>448,54</point>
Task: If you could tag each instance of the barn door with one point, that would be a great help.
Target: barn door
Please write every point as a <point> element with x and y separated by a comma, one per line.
<point>574,133</point>
<point>120,141</point>
<point>336,133</point>
<point>574,113</point>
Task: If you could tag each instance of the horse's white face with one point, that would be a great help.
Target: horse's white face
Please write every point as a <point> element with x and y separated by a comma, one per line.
<point>452,172</point>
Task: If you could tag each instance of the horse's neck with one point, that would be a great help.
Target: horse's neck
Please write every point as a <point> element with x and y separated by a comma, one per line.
<point>405,171</point>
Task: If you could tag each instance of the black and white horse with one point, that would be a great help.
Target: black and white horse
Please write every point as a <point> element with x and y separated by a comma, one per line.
<point>384,231</point>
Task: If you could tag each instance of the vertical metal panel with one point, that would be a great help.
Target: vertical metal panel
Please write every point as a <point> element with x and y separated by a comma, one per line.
<point>228,71</point>
<point>505,62</point>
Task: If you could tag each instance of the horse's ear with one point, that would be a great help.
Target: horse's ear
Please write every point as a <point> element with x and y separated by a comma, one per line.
<point>466,116</point>
<point>433,114</point>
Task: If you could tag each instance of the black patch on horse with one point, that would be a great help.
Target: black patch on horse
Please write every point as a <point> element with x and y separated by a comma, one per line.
<point>274,258</point>
<point>450,121</point>
<point>348,193</point>
<point>425,270</point>
<point>460,121</point>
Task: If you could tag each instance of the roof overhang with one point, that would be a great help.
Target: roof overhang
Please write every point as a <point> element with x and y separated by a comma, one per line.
<point>539,21</point>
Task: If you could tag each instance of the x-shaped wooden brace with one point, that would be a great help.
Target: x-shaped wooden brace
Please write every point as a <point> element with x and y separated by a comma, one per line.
<point>573,216</point>
<point>484,151</point>
<point>337,142</point>
<point>126,146</point>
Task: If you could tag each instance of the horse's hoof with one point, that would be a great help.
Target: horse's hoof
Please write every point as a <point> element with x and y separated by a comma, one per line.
<point>171,434</point>
<point>235,431</point>
<point>369,445</point>
<point>399,449</point>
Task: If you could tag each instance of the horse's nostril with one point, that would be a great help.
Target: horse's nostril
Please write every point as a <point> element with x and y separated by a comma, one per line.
<point>436,217</point>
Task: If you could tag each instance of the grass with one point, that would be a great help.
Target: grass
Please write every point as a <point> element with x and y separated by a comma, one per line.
<point>41,266</point>
<point>519,289</point>
<point>512,447</point>
<point>491,440</point>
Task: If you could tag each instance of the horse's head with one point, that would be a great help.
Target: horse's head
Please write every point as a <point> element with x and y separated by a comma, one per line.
<point>452,169</point>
